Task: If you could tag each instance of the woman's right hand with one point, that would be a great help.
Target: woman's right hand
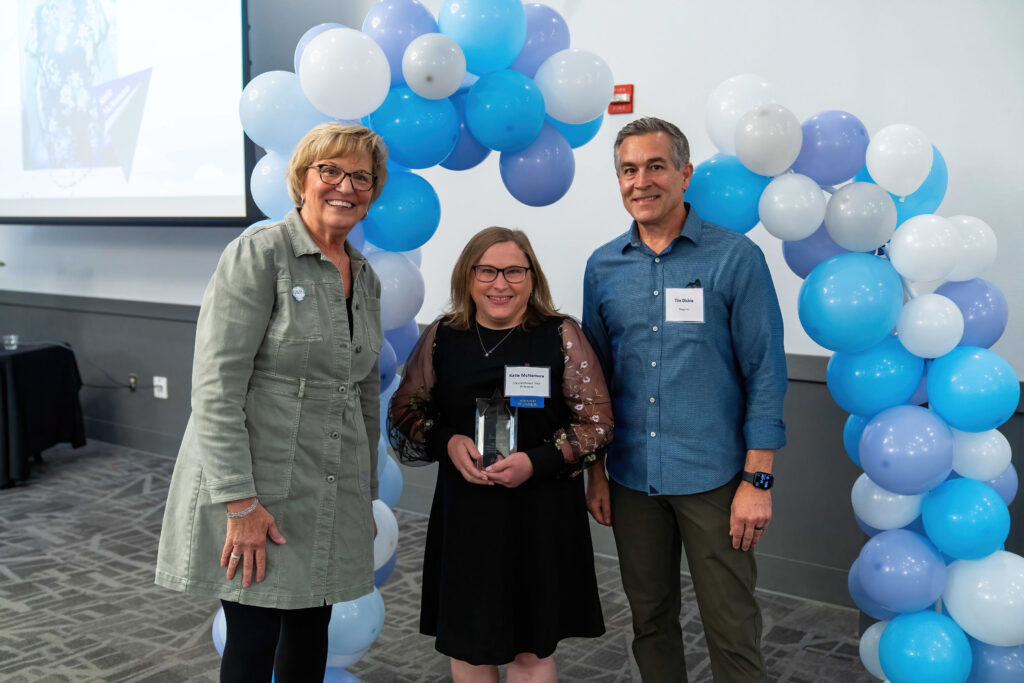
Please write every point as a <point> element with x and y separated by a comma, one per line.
<point>464,455</point>
<point>246,542</point>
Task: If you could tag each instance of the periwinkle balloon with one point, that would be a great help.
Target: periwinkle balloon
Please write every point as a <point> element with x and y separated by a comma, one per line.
<point>390,482</point>
<point>984,308</point>
<point>924,646</point>
<point>973,389</point>
<point>578,134</point>
<point>269,186</point>
<point>393,25</point>
<point>852,430</point>
<point>1006,484</point>
<point>994,664</point>
<point>834,145</point>
<point>491,32</point>
<point>966,519</point>
<point>902,571</point>
<point>541,173</point>
<point>927,198</point>
<point>403,339</point>
<point>803,255</point>
<point>869,381</point>
<point>864,602</point>
<point>851,302</point>
<point>275,113</point>
<point>386,363</point>
<point>724,192</point>
<point>907,450</point>
<point>405,215</point>
<point>468,151</point>
<point>418,132</point>
<point>546,34</point>
<point>505,110</point>
<point>385,403</point>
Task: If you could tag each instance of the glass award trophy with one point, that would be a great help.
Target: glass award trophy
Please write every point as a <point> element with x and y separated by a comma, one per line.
<point>495,429</point>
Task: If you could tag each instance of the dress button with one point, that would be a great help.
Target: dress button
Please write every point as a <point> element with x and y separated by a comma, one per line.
<point>330,478</point>
<point>341,390</point>
<point>355,306</point>
<point>654,363</point>
<point>336,435</point>
<point>653,434</point>
<point>655,292</point>
<point>652,399</point>
<point>655,328</point>
<point>657,260</point>
<point>359,349</point>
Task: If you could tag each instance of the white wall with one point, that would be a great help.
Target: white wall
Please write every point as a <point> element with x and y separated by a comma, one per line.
<point>953,69</point>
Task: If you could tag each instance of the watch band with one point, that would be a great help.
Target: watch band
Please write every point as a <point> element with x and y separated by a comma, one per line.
<point>761,480</point>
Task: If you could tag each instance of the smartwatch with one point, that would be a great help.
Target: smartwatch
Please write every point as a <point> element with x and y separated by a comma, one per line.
<point>761,480</point>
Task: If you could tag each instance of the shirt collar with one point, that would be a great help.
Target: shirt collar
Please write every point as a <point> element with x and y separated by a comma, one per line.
<point>303,244</point>
<point>693,227</point>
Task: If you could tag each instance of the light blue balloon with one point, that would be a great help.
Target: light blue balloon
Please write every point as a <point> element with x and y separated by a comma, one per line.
<point>902,571</point>
<point>851,302</point>
<point>309,35</point>
<point>852,430</point>
<point>389,483</point>
<point>468,151</point>
<point>867,382</point>
<point>924,646</point>
<point>355,624</point>
<point>403,339</point>
<point>386,363</point>
<point>578,134</point>
<point>973,389</point>
<point>541,173</point>
<point>220,631</point>
<point>907,450</point>
<point>405,215</point>
<point>275,113</point>
<point>925,199</point>
<point>491,33</point>
<point>725,192</point>
<point>505,110</point>
<point>418,132</point>
<point>395,24</point>
<point>965,518</point>
<point>269,186</point>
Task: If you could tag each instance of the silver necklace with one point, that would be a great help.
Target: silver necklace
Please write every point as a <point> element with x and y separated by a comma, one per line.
<point>488,352</point>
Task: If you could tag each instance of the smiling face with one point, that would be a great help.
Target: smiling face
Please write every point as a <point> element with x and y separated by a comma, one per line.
<point>652,187</point>
<point>328,208</point>
<point>500,305</point>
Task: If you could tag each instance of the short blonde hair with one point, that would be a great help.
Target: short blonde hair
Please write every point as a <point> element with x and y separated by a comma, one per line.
<point>329,140</point>
<point>462,309</point>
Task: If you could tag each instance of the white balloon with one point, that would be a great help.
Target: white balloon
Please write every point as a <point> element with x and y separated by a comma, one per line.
<point>577,85</point>
<point>986,598</point>
<point>730,100</point>
<point>433,66</point>
<point>860,217</point>
<point>924,248</point>
<point>883,509</point>
<point>980,455</point>
<point>792,207</point>
<point>401,285</point>
<point>977,247</point>
<point>899,158</point>
<point>344,73</point>
<point>768,139</point>
<point>387,534</point>
<point>930,326</point>
<point>869,648</point>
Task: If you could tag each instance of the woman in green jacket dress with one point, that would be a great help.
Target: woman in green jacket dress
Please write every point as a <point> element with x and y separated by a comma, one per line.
<point>282,441</point>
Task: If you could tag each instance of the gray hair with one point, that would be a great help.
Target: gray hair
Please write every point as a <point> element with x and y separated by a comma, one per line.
<point>650,124</point>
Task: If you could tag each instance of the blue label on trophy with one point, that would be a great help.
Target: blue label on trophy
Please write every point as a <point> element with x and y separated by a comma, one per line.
<point>527,401</point>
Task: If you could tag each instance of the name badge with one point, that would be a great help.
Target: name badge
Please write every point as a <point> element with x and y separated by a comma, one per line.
<point>527,386</point>
<point>684,305</point>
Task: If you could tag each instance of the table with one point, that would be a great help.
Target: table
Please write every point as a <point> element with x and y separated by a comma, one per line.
<point>39,406</point>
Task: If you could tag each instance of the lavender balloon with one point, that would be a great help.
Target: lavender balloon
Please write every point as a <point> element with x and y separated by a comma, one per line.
<point>994,664</point>
<point>542,173</point>
<point>393,25</point>
<point>403,339</point>
<point>907,450</point>
<point>468,151</point>
<point>1006,484</point>
<point>803,255</point>
<point>901,571</point>
<point>984,308</point>
<point>866,603</point>
<point>546,34</point>
<point>834,147</point>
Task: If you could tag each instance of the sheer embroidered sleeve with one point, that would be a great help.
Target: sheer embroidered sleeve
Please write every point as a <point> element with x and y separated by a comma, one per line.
<point>412,425</point>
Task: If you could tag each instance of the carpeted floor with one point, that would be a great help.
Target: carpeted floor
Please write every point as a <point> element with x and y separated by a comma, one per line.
<point>78,603</point>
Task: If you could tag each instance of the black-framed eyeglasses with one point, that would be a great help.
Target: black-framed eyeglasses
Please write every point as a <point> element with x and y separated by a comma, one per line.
<point>512,274</point>
<point>332,175</point>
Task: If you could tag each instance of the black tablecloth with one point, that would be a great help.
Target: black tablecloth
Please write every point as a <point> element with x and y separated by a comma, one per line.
<point>38,406</point>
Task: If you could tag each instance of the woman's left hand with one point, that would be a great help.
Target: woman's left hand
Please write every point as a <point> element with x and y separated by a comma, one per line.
<point>511,471</point>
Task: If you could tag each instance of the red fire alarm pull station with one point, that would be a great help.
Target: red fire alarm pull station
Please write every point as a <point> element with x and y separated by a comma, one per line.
<point>622,100</point>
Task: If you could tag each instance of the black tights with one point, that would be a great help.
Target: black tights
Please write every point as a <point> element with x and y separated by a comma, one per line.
<point>290,643</point>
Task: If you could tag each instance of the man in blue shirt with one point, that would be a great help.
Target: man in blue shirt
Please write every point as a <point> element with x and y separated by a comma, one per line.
<point>684,317</point>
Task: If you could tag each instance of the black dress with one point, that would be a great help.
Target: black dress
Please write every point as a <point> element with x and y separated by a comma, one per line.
<point>508,570</point>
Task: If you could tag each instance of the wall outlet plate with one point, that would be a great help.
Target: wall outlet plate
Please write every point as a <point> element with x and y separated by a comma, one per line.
<point>159,387</point>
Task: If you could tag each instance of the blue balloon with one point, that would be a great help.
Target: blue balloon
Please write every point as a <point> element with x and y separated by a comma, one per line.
<point>385,403</point>
<point>966,519</point>
<point>925,199</point>
<point>852,430</point>
<point>867,382</point>
<point>851,302</point>
<point>418,132</point>
<point>984,308</point>
<point>834,146</point>
<point>275,113</point>
<point>546,34</point>
<point>902,571</point>
<point>309,35</point>
<point>973,389</point>
<point>994,664</point>
<point>541,173</point>
<point>1006,484</point>
<point>724,192</point>
<point>803,255</point>
<point>907,450</point>
<point>491,33</point>
<point>578,134</point>
<point>924,646</point>
<point>389,483</point>
<point>355,624</point>
<point>387,363</point>
<point>405,215</point>
<point>393,25</point>
<point>381,576</point>
<point>403,339</point>
<point>505,110</point>
<point>864,602</point>
<point>269,187</point>
<point>468,152</point>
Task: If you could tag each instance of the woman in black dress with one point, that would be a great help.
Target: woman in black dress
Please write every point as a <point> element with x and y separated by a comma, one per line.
<point>509,567</point>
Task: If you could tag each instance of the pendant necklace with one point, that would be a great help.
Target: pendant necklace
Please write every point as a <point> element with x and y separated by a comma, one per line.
<point>488,352</point>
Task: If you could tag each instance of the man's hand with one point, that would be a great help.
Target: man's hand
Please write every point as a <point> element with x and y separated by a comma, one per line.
<point>751,506</point>
<point>511,471</point>
<point>598,495</point>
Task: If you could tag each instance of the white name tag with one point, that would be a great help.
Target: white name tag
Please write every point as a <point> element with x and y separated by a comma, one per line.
<point>527,380</point>
<point>684,305</point>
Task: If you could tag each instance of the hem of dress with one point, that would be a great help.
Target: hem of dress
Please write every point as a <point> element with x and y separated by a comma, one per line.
<point>500,661</point>
<point>233,593</point>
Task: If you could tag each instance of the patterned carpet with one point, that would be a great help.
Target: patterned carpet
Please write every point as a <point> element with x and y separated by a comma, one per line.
<point>78,603</point>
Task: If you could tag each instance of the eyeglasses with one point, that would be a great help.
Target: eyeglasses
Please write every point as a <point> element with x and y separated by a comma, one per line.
<point>513,274</point>
<point>332,175</point>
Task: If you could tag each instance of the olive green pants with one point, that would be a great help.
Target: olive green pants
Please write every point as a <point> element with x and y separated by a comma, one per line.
<point>650,532</point>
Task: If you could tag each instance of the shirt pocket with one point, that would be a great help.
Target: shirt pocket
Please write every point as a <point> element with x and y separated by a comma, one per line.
<point>272,413</point>
<point>371,320</point>
<point>296,316</point>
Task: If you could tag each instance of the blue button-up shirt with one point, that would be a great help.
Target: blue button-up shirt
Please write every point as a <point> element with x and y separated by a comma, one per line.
<point>690,398</point>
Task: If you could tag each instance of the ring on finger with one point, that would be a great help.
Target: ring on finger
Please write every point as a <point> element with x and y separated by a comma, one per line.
<point>759,528</point>
<point>235,557</point>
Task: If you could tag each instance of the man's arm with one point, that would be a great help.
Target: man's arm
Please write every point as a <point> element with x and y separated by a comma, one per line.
<point>598,497</point>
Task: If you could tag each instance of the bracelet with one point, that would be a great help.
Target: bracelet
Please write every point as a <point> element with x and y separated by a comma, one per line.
<point>246,511</point>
